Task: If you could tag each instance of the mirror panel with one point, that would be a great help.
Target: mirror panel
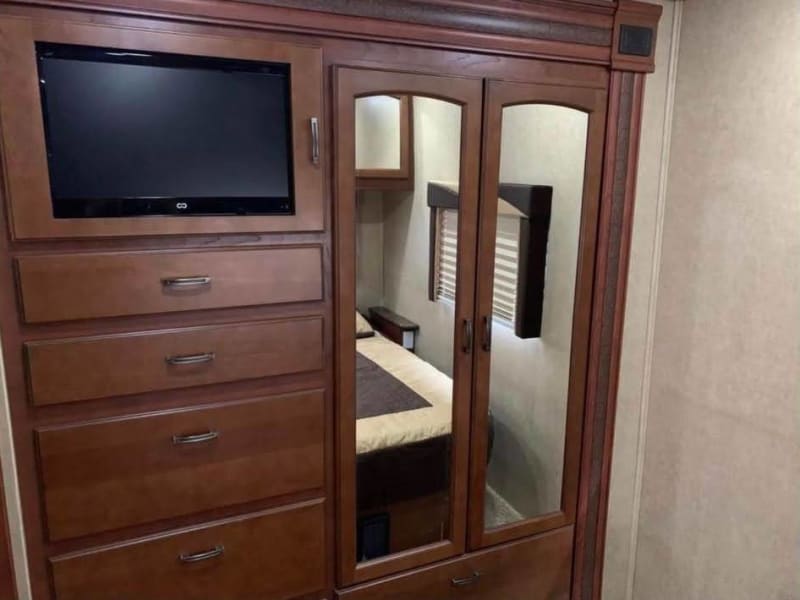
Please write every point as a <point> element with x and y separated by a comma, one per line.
<point>405,340</point>
<point>378,133</point>
<point>542,158</point>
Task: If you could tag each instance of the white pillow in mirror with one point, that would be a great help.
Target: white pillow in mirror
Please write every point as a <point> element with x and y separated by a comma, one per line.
<point>363,328</point>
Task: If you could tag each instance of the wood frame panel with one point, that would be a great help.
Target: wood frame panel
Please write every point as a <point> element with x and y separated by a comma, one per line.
<point>350,84</point>
<point>575,30</point>
<point>593,102</point>
<point>27,182</point>
<point>608,312</point>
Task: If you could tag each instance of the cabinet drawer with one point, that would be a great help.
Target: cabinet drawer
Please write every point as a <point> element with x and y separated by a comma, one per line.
<point>84,286</point>
<point>538,568</point>
<point>273,555</point>
<point>115,365</point>
<point>116,473</point>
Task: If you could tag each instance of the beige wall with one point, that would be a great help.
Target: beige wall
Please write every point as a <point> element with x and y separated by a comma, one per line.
<point>705,498</point>
<point>720,505</point>
<point>634,384</point>
<point>406,232</point>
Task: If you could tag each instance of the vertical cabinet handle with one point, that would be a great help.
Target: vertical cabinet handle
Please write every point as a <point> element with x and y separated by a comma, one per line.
<point>486,343</point>
<point>466,343</point>
<point>314,140</point>
<point>215,552</point>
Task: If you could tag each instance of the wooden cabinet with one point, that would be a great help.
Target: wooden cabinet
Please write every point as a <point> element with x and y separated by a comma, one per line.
<point>192,413</point>
<point>116,473</point>
<point>86,286</point>
<point>114,365</point>
<point>538,568</point>
<point>276,554</point>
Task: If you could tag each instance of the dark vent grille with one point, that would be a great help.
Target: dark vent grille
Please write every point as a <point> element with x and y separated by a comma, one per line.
<point>635,41</point>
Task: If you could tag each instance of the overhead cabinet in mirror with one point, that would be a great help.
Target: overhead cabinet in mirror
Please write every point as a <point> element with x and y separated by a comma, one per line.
<point>384,131</point>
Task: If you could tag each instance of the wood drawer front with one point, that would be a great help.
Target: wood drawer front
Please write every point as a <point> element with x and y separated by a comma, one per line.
<point>85,286</point>
<point>117,473</point>
<point>274,555</point>
<point>115,365</point>
<point>538,568</point>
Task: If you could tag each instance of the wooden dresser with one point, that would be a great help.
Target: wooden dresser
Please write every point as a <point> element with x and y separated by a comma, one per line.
<point>169,378</point>
<point>181,388</point>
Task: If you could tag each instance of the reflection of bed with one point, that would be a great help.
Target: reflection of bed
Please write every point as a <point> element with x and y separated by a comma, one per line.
<point>403,429</point>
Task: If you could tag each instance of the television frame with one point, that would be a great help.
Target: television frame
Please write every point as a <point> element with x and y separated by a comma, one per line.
<point>26,174</point>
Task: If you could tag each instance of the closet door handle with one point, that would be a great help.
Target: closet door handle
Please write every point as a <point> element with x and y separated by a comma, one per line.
<point>215,552</point>
<point>190,359</point>
<point>486,344</point>
<point>183,282</point>
<point>195,438</point>
<point>462,581</point>
<point>314,121</point>
<point>466,343</point>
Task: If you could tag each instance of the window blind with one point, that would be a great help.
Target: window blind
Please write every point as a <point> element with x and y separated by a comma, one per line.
<point>505,264</point>
<point>446,253</point>
<point>506,268</point>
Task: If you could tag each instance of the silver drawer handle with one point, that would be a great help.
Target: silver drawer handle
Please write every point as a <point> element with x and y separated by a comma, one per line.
<point>314,121</point>
<point>195,438</point>
<point>183,282</point>
<point>190,359</point>
<point>461,582</point>
<point>201,556</point>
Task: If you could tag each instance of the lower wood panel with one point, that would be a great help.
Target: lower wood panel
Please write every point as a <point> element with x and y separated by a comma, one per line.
<point>537,568</point>
<point>115,473</point>
<point>274,555</point>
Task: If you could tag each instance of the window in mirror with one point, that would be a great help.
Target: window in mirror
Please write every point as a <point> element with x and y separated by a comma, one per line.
<point>404,349</point>
<point>523,221</point>
<point>542,159</point>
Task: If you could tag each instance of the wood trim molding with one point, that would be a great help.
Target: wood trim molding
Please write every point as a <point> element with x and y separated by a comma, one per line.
<point>635,16</point>
<point>583,31</point>
<point>616,225</point>
<point>558,25</point>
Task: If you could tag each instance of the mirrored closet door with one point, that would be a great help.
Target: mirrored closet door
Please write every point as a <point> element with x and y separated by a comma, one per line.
<point>538,218</point>
<point>405,314</point>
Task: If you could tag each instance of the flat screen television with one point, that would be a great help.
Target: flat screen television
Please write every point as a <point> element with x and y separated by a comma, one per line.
<point>133,133</point>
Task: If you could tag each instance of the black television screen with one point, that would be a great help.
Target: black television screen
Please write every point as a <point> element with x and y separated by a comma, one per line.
<point>142,133</point>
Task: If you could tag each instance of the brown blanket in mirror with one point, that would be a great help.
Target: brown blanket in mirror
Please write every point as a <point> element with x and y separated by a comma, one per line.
<point>378,392</point>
